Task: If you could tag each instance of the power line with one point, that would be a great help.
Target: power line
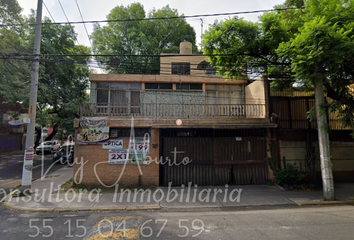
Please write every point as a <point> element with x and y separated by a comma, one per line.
<point>84,23</point>
<point>48,11</point>
<point>67,20</point>
<point>162,18</point>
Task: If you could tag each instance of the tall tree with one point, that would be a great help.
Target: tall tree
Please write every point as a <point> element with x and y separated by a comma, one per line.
<point>137,35</point>
<point>310,43</point>
<point>14,74</point>
<point>63,79</point>
<point>323,50</point>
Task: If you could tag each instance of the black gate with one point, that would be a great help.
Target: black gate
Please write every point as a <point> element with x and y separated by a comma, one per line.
<point>213,156</point>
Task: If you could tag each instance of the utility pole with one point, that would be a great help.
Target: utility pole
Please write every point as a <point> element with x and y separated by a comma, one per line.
<point>323,141</point>
<point>29,151</point>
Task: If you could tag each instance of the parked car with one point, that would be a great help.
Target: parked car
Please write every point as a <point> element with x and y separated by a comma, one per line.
<point>64,154</point>
<point>48,146</point>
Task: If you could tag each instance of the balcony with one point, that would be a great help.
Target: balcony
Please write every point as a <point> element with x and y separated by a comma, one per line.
<point>166,111</point>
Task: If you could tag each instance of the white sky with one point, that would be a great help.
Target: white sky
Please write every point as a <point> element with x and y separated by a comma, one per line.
<point>99,9</point>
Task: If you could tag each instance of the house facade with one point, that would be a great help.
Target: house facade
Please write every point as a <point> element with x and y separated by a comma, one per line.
<point>296,136</point>
<point>194,126</point>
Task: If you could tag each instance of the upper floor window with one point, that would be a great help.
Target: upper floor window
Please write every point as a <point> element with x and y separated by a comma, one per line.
<point>181,68</point>
<point>161,86</point>
<point>210,71</point>
<point>189,87</point>
<point>205,66</point>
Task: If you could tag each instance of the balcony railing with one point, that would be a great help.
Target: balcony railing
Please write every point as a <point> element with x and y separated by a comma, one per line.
<point>164,110</point>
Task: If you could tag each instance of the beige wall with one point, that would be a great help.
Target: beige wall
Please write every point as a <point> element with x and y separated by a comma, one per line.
<point>255,93</point>
<point>342,155</point>
<point>194,60</point>
<point>162,79</point>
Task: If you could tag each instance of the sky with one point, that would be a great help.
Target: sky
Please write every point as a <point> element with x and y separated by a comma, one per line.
<point>98,10</point>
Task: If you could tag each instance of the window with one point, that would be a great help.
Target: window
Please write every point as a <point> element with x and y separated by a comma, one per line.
<point>102,92</point>
<point>181,68</point>
<point>122,97</point>
<point>210,71</point>
<point>161,86</point>
<point>205,66</point>
<point>189,87</point>
<point>125,132</point>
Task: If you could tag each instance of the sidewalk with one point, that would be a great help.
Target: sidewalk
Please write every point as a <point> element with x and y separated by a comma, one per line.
<point>46,197</point>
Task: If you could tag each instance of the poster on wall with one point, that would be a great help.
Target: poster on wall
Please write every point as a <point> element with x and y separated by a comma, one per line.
<point>138,159</point>
<point>113,144</point>
<point>93,130</point>
<point>118,156</point>
<point>139,146</point>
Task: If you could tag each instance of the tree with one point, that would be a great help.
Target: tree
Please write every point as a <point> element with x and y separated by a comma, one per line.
<point>137,35</point>
<point>324,50</point>
<point>63,80</point>
<point>310,43</point>
<point>13,39</point>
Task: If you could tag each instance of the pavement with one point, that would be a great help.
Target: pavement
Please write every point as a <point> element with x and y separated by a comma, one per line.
<point>46,197</point>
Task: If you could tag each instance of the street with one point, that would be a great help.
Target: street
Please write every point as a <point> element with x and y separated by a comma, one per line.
<point>297,223</point>
<point>11,169</point>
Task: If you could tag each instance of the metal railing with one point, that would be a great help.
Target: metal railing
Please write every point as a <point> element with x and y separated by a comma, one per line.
<point>168,110</point>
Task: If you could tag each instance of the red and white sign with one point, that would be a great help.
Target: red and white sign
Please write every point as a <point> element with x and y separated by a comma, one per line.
<point>118,156</point>
<point>139,146</point>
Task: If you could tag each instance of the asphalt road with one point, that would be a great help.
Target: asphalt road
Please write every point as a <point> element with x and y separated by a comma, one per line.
<point>299,223</point>
<point>11,169</point>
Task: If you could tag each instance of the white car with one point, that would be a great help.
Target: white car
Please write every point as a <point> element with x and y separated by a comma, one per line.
<point>48,146</point>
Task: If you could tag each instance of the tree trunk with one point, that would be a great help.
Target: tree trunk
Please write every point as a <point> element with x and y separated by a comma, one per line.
<point>55,130</point>
<point>38,137</point>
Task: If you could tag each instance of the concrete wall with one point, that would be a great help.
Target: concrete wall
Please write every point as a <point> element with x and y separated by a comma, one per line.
<point>341,151</point>
<point>255,93</point>
<point>109,173</point>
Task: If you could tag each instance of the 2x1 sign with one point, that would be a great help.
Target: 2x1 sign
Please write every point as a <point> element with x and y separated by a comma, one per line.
<point>113,144</point>
<point>118,156</point>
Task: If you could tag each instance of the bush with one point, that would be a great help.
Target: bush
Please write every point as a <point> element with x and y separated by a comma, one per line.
<point>290,175</point>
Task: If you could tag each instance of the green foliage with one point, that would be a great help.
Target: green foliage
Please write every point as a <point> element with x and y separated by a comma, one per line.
<point>311,44</point>
<point>62,81</point>
<point>289,176</point>
<point>139,38</point>
<point>15,75</point>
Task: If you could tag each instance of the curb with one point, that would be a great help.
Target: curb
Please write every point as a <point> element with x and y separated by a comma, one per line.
<point>348,202</point>
<point>80,210</point>
<point>7,196</point>
<point>279,187</point>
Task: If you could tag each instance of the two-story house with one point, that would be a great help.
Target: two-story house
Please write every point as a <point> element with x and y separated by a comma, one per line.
<point>220,126</point>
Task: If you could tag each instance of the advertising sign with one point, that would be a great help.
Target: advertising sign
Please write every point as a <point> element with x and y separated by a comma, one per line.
<point>113,144</point>
<point>93,129</point>
<point>139,146</point>
<point>118,156</point>
<point>138,159</point>
<point>27,167</point>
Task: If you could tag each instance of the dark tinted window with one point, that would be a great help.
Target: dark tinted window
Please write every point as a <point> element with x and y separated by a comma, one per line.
<point>181,68</point>
<point>125,132</point>
<point>196,86</point>
<point>151,86</point>
<point>165,85</point>
<point>182,86</point>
